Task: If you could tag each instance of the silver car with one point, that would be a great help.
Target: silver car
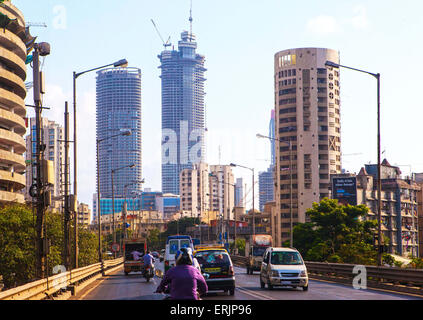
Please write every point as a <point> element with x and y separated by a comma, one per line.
<point>283,267</point>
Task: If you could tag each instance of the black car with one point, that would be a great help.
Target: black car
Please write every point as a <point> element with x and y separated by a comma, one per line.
<point>218,265</point>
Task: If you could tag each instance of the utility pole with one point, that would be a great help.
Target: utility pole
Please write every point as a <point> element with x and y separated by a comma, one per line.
<point>40,49</point>
<point>67,246</point>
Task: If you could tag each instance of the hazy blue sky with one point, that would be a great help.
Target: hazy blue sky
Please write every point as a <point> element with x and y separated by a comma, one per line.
<point>239,40</point>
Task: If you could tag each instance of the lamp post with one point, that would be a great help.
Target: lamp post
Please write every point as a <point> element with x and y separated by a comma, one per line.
<point>121,63</point>
<point>289,143</point>
<point>379,182</point>
<point>252,170</point>
<point>113,198</point>
<point>98,141</point>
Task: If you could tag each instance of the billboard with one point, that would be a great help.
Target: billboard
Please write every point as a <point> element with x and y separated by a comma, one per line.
<point>345,190</point>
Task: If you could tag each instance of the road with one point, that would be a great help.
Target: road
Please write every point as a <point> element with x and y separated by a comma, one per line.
<point>117,286</point>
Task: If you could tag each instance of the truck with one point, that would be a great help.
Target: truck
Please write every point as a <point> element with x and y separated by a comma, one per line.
<point>130,264</point>
<point>255,248</point>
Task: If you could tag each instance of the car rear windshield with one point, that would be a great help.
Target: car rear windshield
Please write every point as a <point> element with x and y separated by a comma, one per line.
<point>258,251</point>
<point>212,258</point>
<point>286,258</point>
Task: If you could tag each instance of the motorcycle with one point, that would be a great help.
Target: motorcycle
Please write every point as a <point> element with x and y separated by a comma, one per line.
<point>148,272</point>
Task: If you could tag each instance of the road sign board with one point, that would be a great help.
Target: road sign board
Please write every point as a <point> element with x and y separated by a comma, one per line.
<point>115,247</point>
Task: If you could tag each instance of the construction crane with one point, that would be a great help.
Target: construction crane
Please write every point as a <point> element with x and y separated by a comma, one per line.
<point>36,24</point>
<point>165,44</point>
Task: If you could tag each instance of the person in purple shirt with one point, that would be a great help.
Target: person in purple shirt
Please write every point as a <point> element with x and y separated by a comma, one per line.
<point>185,281</point>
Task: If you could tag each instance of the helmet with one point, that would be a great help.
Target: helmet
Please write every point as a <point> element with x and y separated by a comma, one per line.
<point>184,256</point>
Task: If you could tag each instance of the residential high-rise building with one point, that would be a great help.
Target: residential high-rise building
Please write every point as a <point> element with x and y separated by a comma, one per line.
<point>119,108</point>
<point>267,178</point>
<point>13,52</point>
<point>183,110</point>
<point>222,190</point>
<point>239,192</point>
<point>194,189</point>
<point>266,186</point>
<point>53,137</point>
<point>307,113</point>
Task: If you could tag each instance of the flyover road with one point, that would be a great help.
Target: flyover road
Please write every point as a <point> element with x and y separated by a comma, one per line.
<point>117,286</point>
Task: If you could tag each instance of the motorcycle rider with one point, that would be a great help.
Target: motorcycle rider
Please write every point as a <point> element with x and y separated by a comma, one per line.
<point>184,280</point>
<point>148,261</point>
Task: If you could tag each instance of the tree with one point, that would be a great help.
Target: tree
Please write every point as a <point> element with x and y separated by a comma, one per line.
<point>17,243</point>
<point>337,233</point>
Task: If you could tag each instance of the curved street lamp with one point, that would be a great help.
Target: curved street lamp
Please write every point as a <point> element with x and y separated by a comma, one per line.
<point>121,63</point>
<point>379,212</point>
<point>98,141</point>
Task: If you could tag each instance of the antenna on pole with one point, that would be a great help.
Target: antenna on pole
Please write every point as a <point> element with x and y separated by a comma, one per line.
<point>190,22</point>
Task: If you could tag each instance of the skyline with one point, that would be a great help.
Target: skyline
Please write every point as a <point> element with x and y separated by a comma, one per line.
<point>241,74</point>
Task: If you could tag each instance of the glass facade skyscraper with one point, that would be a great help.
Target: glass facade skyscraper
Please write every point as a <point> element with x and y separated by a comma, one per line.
<point>119,108</point>
<point>183,110</point>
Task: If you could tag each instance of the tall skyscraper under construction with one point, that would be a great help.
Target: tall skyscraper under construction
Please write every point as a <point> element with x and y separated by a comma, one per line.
<point>119,108</point>
<point>183,110</point>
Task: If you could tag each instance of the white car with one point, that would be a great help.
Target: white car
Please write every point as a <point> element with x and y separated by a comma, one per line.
<point>283,267</point>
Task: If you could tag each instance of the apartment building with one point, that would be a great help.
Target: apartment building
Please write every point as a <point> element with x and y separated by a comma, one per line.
<point>307,116</point>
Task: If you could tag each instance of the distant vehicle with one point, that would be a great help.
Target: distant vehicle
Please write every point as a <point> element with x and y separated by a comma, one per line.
<point>283,267</point>
<point>255,248</point>
<point>130,264</point>
<point>173,244</point>
<point>217,268</point>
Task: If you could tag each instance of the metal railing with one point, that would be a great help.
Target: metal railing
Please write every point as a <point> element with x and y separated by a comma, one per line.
<point>45,288</point>
<point>387,278</point>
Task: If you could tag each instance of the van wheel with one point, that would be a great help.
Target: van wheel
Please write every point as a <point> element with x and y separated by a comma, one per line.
<point>305,288</point>
<point>126,273</point>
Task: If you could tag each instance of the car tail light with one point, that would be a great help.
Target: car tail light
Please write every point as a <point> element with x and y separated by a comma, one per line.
<point>231,271</point>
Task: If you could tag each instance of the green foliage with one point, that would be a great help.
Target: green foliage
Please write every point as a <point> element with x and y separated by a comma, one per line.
<point>336,233</point>
<point>416,263</point>
<point>240,245</point>
<point>18,245</point>
<point>398,264</point>
<point>388,259</point>
<point>88,247</point>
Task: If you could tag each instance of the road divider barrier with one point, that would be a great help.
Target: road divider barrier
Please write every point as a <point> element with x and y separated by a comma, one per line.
<point>63,283</point>
<point>386,278</point>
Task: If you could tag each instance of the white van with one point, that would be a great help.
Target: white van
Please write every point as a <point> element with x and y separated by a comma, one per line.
<point>173,244</point>
<point>283,267</point>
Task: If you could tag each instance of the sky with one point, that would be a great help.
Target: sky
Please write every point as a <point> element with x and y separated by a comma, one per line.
<point>239,40</point>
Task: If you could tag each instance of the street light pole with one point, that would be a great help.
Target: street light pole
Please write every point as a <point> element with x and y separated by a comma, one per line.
<point>113,199</point>
<point>121,63</point>
<point>98,141</point>
<point>379,178</point>
<point>252,170</point>
<point>289,143</point>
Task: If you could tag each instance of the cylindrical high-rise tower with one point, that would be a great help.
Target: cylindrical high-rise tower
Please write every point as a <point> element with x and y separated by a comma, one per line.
<point>307,113</point>
<point>13,54</point>
<point>119,108</point>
